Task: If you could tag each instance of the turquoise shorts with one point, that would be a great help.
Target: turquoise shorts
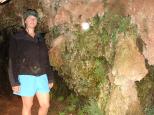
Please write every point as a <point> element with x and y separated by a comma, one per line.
<point>30,85</point>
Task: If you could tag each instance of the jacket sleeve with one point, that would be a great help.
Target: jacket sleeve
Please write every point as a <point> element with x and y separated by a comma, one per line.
<point>12,70</point>
<point>49,70</point>
<point>50,73</point>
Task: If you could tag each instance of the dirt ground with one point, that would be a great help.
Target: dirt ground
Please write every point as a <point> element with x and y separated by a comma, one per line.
<point>12,105</point>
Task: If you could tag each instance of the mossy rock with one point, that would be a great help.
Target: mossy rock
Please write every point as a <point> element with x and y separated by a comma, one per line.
<point>87,55</point>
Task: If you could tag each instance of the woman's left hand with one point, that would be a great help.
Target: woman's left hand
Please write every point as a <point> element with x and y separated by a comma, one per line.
<point>50,85</point>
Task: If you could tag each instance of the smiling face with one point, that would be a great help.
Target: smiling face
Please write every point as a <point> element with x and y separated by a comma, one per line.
<point>31,22</point>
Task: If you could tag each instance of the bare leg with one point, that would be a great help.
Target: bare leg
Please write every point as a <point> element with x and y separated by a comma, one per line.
<point>27,105</point>
<point>44,101</point>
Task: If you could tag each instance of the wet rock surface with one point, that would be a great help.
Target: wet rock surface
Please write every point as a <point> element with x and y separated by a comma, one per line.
<point>98,58</point>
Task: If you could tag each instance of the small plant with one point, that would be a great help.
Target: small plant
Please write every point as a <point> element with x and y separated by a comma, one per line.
<point>72,103</point>
<point>149,111</point>
<point>90,109</point>
<point>55,31</point>
<point>61,98</point>
<point>101,70</point>
<point>58,30</point>
<point>62,113</point>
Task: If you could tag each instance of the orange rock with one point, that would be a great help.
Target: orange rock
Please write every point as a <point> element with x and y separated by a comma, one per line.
<point>55,52</point>
<point>129,64</point>
<point>62,16</point>
<point>142,14</point>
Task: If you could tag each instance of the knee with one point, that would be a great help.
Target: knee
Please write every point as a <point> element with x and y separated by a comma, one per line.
<point>45,105</point>
<point>28,105</point>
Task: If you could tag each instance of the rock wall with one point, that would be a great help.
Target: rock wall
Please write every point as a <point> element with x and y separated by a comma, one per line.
<point>129,66</point>
<point>142,14</point>
<point>103,61</point>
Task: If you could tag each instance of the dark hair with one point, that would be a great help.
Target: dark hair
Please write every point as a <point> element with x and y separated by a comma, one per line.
<point>30,12</point>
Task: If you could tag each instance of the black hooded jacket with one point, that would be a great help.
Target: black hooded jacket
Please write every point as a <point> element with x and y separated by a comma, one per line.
<point>28,56</point>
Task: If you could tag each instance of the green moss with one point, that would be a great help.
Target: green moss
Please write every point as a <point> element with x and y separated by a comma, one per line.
<point>101,70</point>
<point>55,32</point>
<point>149,111</point>
<point>74,105</point>
<point>71,105</point>
<point>91,108</point>
<point>89,55</point>
<point>145,91</point>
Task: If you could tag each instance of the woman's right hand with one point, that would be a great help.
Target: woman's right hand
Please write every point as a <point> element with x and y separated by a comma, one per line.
<point>16,89</point>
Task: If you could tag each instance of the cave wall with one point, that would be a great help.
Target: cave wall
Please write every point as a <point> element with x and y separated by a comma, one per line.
<point>104,61</point>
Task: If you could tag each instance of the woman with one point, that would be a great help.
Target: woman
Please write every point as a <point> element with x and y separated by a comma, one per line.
<point>29,70</point>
